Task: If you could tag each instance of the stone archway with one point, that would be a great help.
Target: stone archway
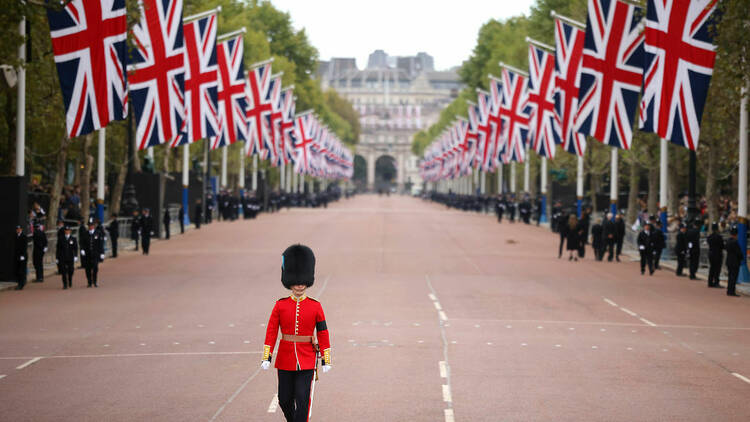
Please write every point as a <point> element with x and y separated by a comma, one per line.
<point>360,172</point>
<point>386,172</point>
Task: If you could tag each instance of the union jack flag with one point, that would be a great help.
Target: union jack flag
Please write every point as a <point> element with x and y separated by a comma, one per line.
<point>542,135</point>
<point>484,132</point>
<point>306,128</point>
<point>286,151</point>
<point>514,113</point>
<point>231,94</point>
<point>473,135</point>
<point>680,57</point>
<point>568,58</point>
<point>611,72</point>
<point>272,121</point>
<point>157,72</point>
<point>88,40</point>
<point>201,81</point>
<point>257,88</point>
<point>495,121</point>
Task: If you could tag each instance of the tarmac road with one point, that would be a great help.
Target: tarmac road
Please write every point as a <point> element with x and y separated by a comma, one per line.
<point>435,315</point>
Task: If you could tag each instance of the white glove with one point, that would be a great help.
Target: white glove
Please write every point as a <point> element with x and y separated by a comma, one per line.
<point>57,261</point>
<point>101,256</point>
<point>45,249</point>
<point>75,259</point>
<point>690,244</point>
<point>326,368</point>
<point>641,247</point>
<point>83,252</point>
<point>23,258</point>
<point>265,365</point>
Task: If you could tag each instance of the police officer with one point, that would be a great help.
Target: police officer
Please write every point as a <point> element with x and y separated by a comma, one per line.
<point>511,208</point>
<point>694,248</point>
<point>20,261</point>
<point>298,316</point>
<point>646,249</point>
<point>181,216</point>
<point>734,259</point>
<point>40,248</point>
<point>114,234</point>
<point>500,208</point>
<point>619,235</point>
<point>597,239</point>
<point>658,241</point>
<point>146,226</point>
<point>715,255</point>
<point>609,237</point>
<point>67,256</point>
<point>60,236</point>
<point>135,228</point>
<point>524,210</point>
<point>92,251</point>
<point>198,213</point>
<point>681,249</point>
<point>166,220</point>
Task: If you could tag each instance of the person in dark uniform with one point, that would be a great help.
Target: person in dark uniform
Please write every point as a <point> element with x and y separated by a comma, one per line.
<point>694,248</point>
<point>147,230</point>
<point>40,248</point>
<point>562,230</point>
<point>298,317</point>
<point>571,237</point>
<point>500,208</point>
<point>67,256</point>
<point>554,217</point>
<point>597,240</point>
<point>60,236</point>
<point>135,228</point>
<point>524,210</point>
<point>734,259</point>
<point>584,223</point>
<point>198,213</point>
<point>681,249</point>
<point>166,220</point>
<point>646,249</point>
<point>114,234</point>
<point>619,235</point>
<point>659,242</point>
<point>609,234</point>
<point>510,206</point>
<point>181,216</point>
<point>92,251</point>
<point>715,255</point>
<point>20,261</point>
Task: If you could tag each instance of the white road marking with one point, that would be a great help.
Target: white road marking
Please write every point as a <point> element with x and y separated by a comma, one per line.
<point>476,325</point>
<point>437,306</point>
<point>628,311</point>
<point>231,325</point>
<point>129,355</point>
<point>508,326</point>
<point>539,327</point>
<point>741,377</point>
<point>420,341</point>
<point>211,342</point>
<point>106,345</point>
<point>169,326</point>
<point>137,326</point>
<point>443,316</point>
<point>176,343</point>
<point>449,415</point>
<point>610,302</point>
<point>2,376</point>
<point>558,345</point>
<point>416,324</point>
<point>594,347</point>
<point>432,297</point>
<point>29,362</point>
<point>602,329</point>
<point>489,343</point>
<point>246,341</point>
<point>523,345</point>
<point>447,393</point>
<point>572,329</point>
<point>274,404</point>
<point>647,321</point>
<point>443,369</point>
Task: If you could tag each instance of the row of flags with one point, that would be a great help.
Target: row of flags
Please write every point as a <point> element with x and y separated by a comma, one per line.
<point>185,83</point>
<point>590,83</point>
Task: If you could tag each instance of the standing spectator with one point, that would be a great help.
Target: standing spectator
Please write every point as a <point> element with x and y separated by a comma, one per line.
<point>608,237</point>
<point>572,237</point>
<point>60,236</point>
<point>181,216</point>
<point>681,249</point>
<point>658,242</point>
<point>198,213</point>
<point>67,255</point>
<point>114,234</point>
<point>19,257</point>
<point>734,259</point>
<point>694,248</point>
<point>40,247</point>
<point>562,229</point>
<point>166,220</point>
<point>715,255</point>
<point>645,248</point>
<point>597,240</point>
<point>146,226</point>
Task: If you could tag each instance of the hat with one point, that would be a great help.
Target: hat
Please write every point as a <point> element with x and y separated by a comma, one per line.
<point>733,230</point>
<point>18,226</point>
<point>297,266</point>
<point>714,227</point>
<point>68,227</point>
<point>683,226</point>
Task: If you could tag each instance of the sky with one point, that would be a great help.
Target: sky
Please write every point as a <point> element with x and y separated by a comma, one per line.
<point>355,28</point>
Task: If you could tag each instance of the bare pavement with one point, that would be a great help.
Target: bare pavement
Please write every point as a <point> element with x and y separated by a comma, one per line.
<point>435,315</point>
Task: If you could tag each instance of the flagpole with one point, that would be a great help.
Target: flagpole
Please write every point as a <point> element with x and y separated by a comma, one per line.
<point>543,214</point>
<point>282,177</point>
<point>500,178</point>
<point>663,166</point>
<point>185,182</point>
<point>100,177</point>
<point>613,183</point>
<point>223,182</point>
<point>526,171</point>
<point>579,187</point>
<point>255,173</point>
<point>21,110</point>
<point>513,177</point>
<point>241,182</point>
<point>744,275</point>
<point>202,14</point>
<point>228,35</point>
<point>482,182</point>
<point>289,176</point>
<point>294,181</point>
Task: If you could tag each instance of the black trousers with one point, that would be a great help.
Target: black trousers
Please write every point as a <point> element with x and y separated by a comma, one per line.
<point>714,269</point>
<point>182,226</point>
<point>647,259</point>
<point>619,247</point>
<point>562,242</point>
<point>66,269</point>
<point>694,261</point>
<point>20,272</point>
<point>38,265</point>
<point>657,257</point>
<point>135,238</point>
<point>499,217</point>
<point>146,243</point>
<point>92,269</point>
<point>166,230</point>
<point>294,394</point>
<point>114,247</point>
<point>610,249</point>
<point>732,279</point>
<point>680,263</point>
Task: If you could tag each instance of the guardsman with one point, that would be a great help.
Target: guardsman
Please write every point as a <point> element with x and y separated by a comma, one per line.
<point>166,220</point>
<point>299,317</point>
<point>67,256</point>
<point>40,248</point>
<point>114,234</point>
<point>92,251</point>
<point>734,259</point>
<point>147,230</point>
<point>694,248</point>
<point>715,255</point>
<point>20,261</point>
<point>646,249</point>
<point>681,249</point>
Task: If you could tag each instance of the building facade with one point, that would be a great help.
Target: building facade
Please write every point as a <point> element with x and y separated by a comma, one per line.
<point>395,99</point>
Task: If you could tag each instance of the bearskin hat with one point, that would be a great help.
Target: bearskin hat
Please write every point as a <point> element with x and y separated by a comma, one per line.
<point>297,266</point>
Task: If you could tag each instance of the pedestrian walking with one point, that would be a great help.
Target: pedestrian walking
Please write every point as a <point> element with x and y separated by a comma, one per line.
<point>198,213</point>
<point>60,236</point>
<point>146,226</point>
<point>646,249</point>
<point>167,220</point>
<point>302,322</point>
<point>181,216</point>
<point>609,237</point>
<point>67,256</point>
<point>511,208</point>
<point>597,240</point>
<point>694,248</point>
<point>619,235</point>
<point>114,234</point>
<point>500,208</point>
<point>39,239</point>
<point>681,249</point>
<point>20,261</point>
<point>135,228</point>
<point>734,259</point>
<point>92,251</point>
<point>572,238</point>
<point>659,243</point>
<point>715,255</point>
<point>562,229</point>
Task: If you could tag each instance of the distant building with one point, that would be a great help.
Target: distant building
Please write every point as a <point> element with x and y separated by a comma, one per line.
<point>394,102</point>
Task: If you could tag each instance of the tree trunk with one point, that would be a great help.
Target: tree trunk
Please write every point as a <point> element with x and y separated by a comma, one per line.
<point>633,183</point>
<point>674,193</point>
<point>54,203</point>
<point>88,163</point>
<point>115,199</point>
<point>653,190</point>
<point>712,195</point>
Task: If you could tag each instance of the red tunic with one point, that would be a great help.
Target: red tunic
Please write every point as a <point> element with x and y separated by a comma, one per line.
<point>297,317</point>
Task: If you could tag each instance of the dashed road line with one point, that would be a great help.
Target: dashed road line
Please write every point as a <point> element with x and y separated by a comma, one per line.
<point>628,311</point>
<point>447,393</point>
<point>2,376</point>
<point>444,365</point>
<point>449,415</point>
<point>432,297</point>
<point>610,302</point>
<point>647,321</point>
<point>443,369</point>
<point>29,362</point>
<point>443,316</point>
<point>274,404</point>
<point>437,306</point>
<point>743,378</point>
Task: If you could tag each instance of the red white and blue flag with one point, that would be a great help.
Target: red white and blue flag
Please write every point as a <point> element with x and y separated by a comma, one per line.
<point>542,135</point>
<point>484,133</point>
<point>306,128</point>
<point>611,72</point>
<point>514,113</point>
<point>473,135</point>
<point>680,57</point>
<point>568,58</point>
<point>286,152</point>
<point>495,122</point>
<point>272,121</point>
<point>88,40</point>
<point>201,81</point>
<point>156,73</point>
<point>231,94</point>
<point>258,108</point>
